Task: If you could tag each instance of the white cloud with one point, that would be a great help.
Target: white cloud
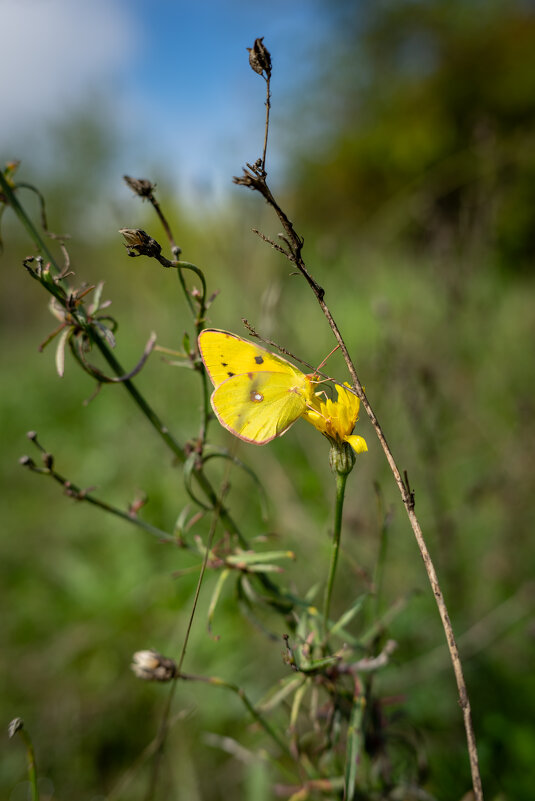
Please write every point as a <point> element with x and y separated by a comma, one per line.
<point>55,52</point>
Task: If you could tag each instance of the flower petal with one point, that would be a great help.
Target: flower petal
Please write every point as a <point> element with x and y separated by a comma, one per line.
<point>357,443</point>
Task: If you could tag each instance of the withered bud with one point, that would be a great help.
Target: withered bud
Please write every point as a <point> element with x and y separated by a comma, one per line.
<point>48,460</point>
<point>27,461</point>
<point>32,435</point>
<point>141,186</point>
<point>139,243</point>
<point>16,725</point>
<point>259,57</point>
<point>136,505</point>
<point>152,666</point>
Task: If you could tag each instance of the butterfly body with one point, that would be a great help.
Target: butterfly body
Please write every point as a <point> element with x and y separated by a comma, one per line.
<point>257,394</point>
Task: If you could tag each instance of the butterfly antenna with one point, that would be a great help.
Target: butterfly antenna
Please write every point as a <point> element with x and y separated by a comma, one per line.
<point>327,357</point>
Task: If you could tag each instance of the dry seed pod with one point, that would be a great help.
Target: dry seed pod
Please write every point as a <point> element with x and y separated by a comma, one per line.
<point>259,57</point>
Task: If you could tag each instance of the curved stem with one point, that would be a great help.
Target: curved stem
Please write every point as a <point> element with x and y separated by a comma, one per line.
<point>338,508</point>
<point>258,717</point>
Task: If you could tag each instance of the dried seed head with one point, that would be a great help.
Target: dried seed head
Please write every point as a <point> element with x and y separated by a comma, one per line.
<point>259,57</point>
<point>139,243</point>
<point>16,725</point>
<point>152,666</point>
<point>141,186</point>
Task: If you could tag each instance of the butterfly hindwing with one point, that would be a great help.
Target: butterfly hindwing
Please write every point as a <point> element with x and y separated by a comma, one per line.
<point>257,407</point>
<point>257,395</point>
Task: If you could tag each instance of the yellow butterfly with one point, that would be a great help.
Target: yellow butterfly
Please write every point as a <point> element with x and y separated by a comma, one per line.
<point>257,395</point>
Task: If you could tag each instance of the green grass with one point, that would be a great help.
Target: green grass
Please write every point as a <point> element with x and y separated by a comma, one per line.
<point>444,354</point>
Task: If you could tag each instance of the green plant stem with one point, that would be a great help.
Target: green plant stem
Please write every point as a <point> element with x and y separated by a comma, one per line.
<point>80,495</point>
<point>164,724</point>
<point>185,291</point>
<point>130,387</point>
<point>24,219</point>
<point>338,508</point>
<point>258,717</point>
<point>198,319</point>
<point>281,600</point>
<point>32,767</point>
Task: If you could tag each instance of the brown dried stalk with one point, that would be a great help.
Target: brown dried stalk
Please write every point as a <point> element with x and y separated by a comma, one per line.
<point>255,177</point>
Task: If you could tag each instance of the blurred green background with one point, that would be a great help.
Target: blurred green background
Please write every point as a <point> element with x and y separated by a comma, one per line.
<point>410,170</point>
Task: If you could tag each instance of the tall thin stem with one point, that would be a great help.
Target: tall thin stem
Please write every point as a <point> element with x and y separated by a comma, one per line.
<point>17,727</point>
<point>337,532</point>
<point>256,179</point>
<point>268,107</point>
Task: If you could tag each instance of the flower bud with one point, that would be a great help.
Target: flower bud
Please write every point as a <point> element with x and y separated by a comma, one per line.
<point>341,457</point>
<point>152,666</point>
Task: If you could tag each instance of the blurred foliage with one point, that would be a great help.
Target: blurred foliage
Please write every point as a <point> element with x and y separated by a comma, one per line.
<point>428,133</point>
<point>405,239</point>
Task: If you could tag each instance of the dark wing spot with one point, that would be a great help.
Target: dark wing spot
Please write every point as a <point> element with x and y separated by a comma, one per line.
<point>224,364</point>
<point>230,374</point>
<point>259,359</point>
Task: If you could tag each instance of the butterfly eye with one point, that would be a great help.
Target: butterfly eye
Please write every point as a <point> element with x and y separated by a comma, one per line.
<point>256,397</point>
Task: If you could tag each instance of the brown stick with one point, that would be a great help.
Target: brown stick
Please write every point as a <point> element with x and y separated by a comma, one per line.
<point>255,177</point>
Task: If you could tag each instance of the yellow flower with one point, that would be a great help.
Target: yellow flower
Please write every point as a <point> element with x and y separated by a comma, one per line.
<point>336,419</point>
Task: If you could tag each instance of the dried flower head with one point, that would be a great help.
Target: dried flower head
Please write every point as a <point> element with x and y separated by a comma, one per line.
<point>152,666</point>
<point>139,243</point>
<point>16,725</point>
<point>141,186</point>
<point>260,58</point>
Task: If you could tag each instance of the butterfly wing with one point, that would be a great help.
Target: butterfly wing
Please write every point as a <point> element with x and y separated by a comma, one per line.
<point>257,407</point>
<point>226,355</point>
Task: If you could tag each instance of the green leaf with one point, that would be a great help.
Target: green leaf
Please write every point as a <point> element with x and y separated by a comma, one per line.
<point>296,705</point>
<point>97,296</point>
<point>60,352</point>
<point>286,688</point>
<point>349,614</point>
<point>186,344</point>
<point>353,746</point>
<point>215,598</point>
<point>251,557</point>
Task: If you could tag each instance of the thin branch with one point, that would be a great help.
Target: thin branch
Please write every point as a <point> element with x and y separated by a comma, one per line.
<point>255,178</point>
<point>268,107</point>
<point>104,379</point>
<point>79,494</point>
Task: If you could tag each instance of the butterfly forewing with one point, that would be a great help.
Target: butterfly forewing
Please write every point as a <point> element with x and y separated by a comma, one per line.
<point>226,355</point>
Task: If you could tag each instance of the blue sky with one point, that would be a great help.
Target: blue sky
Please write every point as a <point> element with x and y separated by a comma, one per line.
<point>173,75</point>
